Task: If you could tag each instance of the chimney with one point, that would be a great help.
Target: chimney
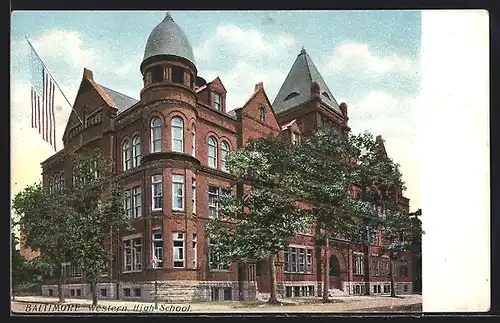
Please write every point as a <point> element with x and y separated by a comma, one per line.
<point>343,109</point>
<point>258,86</point>
<point>315,90</point>
<point>88,74</point>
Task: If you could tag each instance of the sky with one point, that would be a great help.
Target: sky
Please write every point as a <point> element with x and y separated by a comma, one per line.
<point>369,59</point>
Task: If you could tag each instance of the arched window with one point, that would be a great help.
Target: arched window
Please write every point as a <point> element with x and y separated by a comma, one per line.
<point>212,152</point>
<point>51,185</point>
<point>62,181</point>
<point>177,134</point>
<point>136,151</point>
<point>56,183</point>
<point>127,156</point>
<point>224,153</point>
<point>193,139</point>
<point>262,114</point>
<point>155,135</point>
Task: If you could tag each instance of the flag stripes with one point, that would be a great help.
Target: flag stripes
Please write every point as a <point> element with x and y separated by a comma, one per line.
<point>42,110</point>
<point>42,103</point>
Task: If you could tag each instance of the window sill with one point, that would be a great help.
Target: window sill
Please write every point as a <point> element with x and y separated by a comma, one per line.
<point>177,210</point>
<point>297,273</point>
<point>156,210</point>
<point>131,271</point>
<point>220,270</point>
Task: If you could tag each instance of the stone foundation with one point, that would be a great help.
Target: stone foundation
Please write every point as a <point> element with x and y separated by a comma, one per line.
<point>167,291</point>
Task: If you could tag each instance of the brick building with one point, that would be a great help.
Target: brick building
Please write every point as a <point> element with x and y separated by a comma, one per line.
<point>170,149</point>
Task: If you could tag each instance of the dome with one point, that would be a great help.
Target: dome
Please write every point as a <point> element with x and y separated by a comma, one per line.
<point>167,38</point>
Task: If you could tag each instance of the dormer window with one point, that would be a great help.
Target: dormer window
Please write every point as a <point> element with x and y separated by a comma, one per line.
<point>262,114</point>
<point>156,74</point>
<point>290,96</point>
<point>177,74</point>
<point>217,101</point>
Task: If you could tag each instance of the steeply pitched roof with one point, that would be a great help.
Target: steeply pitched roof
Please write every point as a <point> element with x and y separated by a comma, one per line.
<point>297,86</point>
<point>121,101</point>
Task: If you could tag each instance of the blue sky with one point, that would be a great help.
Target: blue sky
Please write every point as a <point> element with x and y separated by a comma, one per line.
<point>369,59</point>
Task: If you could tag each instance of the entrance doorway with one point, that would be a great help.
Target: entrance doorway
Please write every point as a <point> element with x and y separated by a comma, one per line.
<point>334,272</point>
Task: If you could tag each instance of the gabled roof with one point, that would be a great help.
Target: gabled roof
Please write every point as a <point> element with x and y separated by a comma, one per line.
<point>121,101</point>
<point>297,86</point>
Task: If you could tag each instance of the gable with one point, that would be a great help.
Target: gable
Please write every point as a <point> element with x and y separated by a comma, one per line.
<point>252,108</point>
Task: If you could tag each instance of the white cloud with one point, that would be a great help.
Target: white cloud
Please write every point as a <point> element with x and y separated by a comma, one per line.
<point>65,46</point>
<point>351,57</point>
<point>240,81</point>
<point>243,43</point>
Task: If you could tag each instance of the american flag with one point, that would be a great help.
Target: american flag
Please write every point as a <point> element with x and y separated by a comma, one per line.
<point>42,99</point>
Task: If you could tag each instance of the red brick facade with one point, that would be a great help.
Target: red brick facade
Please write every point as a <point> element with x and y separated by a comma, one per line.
<point>108,126</point>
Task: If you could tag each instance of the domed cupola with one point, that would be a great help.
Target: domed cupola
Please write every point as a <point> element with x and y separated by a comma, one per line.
<point>167,38</point>
<point>168,62</point>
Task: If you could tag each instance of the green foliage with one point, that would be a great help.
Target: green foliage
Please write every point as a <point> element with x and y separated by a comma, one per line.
<point>256,226</point>
<point>71,225</point>
<point>257,223</point>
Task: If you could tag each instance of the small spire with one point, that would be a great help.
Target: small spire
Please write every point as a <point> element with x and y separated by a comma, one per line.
<point>168,16</point>
<point>303,50</point>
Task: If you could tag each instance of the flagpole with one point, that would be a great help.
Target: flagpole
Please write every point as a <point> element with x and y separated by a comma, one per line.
<point>54,80</point>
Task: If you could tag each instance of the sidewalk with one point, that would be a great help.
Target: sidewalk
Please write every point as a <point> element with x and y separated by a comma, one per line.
<point>339,304</point>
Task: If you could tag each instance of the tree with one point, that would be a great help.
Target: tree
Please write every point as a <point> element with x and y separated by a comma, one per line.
<point>46,226</point>
<point>258,222</point>
<point>347,178</point>
<point>72,224</point>
<point>96,207</point>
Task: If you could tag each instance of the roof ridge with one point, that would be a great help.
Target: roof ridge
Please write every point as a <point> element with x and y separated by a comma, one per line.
<point>128,96</point>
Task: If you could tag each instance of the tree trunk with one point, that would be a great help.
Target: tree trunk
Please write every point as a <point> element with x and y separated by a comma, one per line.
<point>93,291</point>
<point>326,282</point>
<point>391,273</point>
<point>60,288</point>
<point>273,294</point>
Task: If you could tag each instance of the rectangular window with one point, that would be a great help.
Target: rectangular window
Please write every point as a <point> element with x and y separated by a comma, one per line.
<point>384,270</point>
<point>302,261</point>
<point>298,260</point>
<point>213,196</point>
<point>158,248</point>
<point>178,192</point>
<point>296,291</point>
<point>75,270</point>
<point>195,252</point>
<point>128,204</point>
<point>193,195</point>
<point>216,262</point>
<point>359,264</point>
<point>136,192</point>
<point>178,239</point>
<point>376,266</point>
<point>137,292</point>
<point>126,292</point>
<point>228,291</point>
<point>177,74</point>
<point>295,138</point>
<point>157,190</point>
<point>104,292</point>
<point>217,101</point>
<point>403,269</point>
<point>214,294</point>
<point>309,261</point>
<point>132,251</point>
